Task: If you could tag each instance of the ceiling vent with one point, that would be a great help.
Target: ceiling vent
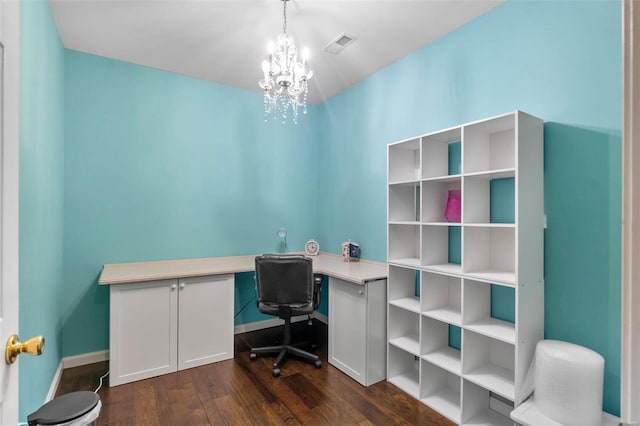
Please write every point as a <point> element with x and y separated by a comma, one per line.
<point>340,42</point>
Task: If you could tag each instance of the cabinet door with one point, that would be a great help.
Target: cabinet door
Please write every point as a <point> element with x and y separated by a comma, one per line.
<point>143,330</point>
<point>205,323</point>
<point>348,328</point>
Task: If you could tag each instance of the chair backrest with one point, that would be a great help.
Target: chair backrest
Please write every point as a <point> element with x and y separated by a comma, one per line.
<point>284,279</point>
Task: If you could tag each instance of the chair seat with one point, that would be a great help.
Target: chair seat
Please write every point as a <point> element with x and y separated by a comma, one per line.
<point>296,309</point>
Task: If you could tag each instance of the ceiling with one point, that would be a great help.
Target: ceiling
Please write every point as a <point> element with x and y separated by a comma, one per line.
<point>225,41</point>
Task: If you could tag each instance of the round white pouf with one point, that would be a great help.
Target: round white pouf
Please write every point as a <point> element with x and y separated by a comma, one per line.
<point>568,383</point>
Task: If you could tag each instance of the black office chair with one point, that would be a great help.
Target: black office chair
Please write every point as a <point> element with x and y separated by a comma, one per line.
<point>286,287</point>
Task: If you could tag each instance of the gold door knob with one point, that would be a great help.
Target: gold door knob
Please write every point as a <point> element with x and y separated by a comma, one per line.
<point>15,347</point>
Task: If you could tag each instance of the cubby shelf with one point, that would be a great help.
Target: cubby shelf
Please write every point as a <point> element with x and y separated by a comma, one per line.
<point>466,297</point>
<point>494,378</point>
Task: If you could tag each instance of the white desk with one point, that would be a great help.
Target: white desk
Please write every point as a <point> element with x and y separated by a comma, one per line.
<point>171,315</point>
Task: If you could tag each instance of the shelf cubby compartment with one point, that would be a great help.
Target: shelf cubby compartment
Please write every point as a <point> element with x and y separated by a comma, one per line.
<point>477,409</point>
<point>489,198</point>
<point>404,203</point>
<point>478,316</point>
<point>403,289</point>
<point>434,198</point>
<point>404,161</point>
<point>435,153</point>
<point>489,145</point>
<point>440,390</point>
<point>404,244</point>
<point>490,253</point>
<point>404,329</point>
<point>436,346</point>
<point>403,370</point>
<point>441,297</point>
<point>441,248</point>
<point>489,363</point>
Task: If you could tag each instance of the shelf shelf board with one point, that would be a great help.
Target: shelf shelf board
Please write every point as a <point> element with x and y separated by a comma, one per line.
<point>446,314</point>
<point>494,328</point>
<point>447,268</point>
<point>446,358</point>
<point>404,222</point>
<point>412,183</point>
<point>489,418</point>
<point>409,303</point>
<point>445,401</point>
<point>412,262</point>
<point>408,382</point>
<point>443,179</point>
<point>493,174</point>
<point>492,276</point>
<point>494,378</point>
<point>405,182</point>
<point>442,223</point>
<point>489,225</point>
<point>409,344</point>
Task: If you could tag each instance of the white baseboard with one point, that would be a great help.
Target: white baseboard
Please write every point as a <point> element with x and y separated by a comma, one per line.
<point>54,383</point>
<point>84,359</point>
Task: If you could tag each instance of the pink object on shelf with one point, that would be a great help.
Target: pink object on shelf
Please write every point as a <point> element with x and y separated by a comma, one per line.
<point>452,211</point>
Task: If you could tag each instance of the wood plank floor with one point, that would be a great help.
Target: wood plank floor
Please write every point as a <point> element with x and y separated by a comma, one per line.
<point>243,392</point>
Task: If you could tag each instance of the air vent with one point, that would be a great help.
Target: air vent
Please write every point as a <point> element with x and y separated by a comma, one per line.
<point>339,43</point>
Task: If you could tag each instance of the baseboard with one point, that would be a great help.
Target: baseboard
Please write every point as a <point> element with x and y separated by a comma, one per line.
<point>55,383</point>
<point>84,359</point>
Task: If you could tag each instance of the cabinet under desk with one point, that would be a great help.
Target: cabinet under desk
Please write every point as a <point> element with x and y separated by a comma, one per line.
<point>171,315</point>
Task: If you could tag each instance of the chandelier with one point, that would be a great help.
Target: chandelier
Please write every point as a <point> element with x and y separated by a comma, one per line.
<point>285,79</point>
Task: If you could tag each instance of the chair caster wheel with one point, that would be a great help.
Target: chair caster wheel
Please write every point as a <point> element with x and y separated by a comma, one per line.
<point>253,356</point>
<point>318,364</point>
<point>276,372</point>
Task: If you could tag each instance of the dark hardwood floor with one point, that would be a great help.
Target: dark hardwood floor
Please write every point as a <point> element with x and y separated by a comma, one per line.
<point>243,392</point>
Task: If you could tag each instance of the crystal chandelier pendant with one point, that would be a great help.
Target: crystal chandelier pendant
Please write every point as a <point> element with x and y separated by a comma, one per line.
<point>284,81</point>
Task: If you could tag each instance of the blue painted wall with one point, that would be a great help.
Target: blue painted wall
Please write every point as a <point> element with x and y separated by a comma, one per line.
<point>41,196</point>
<point>560,61</point>
<point>163,166</point>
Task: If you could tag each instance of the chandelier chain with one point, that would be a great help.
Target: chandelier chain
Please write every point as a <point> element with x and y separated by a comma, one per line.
<point>284,20</point>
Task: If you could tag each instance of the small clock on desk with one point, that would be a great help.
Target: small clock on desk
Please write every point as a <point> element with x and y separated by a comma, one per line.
<point>311,248</point>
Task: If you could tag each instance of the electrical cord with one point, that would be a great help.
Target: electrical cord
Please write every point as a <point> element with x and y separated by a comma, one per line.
<point>100,385</point>
<point>244,306</point>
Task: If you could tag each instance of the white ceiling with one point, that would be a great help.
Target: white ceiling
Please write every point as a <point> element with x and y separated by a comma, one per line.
<point>225,41</point>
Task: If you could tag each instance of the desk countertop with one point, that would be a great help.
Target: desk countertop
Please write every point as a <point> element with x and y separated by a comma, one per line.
<point>324,263</point>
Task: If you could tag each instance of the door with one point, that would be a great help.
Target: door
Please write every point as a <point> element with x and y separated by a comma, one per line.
<point>630,376</point>
<point>205,320</point>
<point>348,328</point>
<point>9,115</point>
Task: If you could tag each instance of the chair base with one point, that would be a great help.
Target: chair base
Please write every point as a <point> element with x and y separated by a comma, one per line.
<point>283,352</point>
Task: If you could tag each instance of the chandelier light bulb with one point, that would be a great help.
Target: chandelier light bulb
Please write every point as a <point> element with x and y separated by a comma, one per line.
<point>285,79</point>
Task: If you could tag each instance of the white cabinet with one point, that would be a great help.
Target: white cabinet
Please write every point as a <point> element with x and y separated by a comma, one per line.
<point>159,327</point>
<point>357,337</point>
<point>465,298</point>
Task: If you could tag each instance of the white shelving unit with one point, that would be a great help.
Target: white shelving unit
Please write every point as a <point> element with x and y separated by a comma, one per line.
<point>442,275</point>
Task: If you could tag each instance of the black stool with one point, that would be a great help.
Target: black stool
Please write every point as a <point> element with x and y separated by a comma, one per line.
<point>65,408</point>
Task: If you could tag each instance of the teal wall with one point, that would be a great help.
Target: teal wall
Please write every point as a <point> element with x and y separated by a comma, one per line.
<point>560,61</point>
<point>41,196</point>
<point>163,166</point>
